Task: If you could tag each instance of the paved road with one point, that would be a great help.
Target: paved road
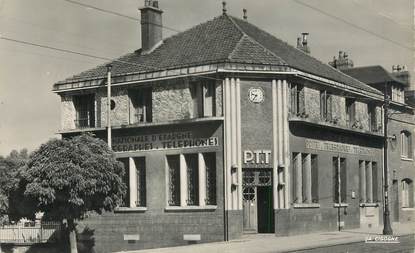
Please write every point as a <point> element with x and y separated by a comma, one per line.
<point>406,245</point>
<point>346,241</point>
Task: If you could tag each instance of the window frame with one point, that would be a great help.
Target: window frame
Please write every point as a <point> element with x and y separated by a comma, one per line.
<point>406,145</point>
<point>140,186</point>
<point>204,96</point>
<point>85,104</point>
<point>299,162</point>
<point>141,101</point>
<point>343,180</point>
<point>350,105</point>
<point>326,105</point>
<point>204,164</point>
<point>372,117</point>
<point>407,193</point>
<point>297,99</point>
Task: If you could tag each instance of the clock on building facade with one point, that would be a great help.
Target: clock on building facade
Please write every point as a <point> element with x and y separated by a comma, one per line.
<point>256,95</point>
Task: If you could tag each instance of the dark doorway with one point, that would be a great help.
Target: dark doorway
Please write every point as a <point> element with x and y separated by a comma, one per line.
<point>265,209</point>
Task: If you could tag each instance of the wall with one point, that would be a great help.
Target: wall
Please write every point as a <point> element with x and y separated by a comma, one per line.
<point>34,248</point>
<point>157,226</point>
<point>312,109</point>
<point>68,114</point>
<point>324,218</point>
<point>171,100</point>
<point>400,168</point>
<point>312,102</point>
<point>120,113</point>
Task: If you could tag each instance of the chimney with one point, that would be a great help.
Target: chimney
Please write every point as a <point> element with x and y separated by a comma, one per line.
<point>342,62</point>
<point>302,43</point>
<point>151,26</point>
<point>245,14</point>
<point>401,73</point>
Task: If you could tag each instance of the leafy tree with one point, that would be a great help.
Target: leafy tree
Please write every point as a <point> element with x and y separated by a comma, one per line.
<point>68,178</point>
<point>10,170</point>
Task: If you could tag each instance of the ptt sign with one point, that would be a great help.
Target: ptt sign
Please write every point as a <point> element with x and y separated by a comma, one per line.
<point>257,156</point>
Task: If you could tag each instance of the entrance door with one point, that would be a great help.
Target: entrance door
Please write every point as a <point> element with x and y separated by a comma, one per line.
<point>265,209</point>
<point>258,211</point>
<point>250,209</point>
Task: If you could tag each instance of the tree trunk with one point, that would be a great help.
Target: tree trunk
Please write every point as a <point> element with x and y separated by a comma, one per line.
<point>72,236</point>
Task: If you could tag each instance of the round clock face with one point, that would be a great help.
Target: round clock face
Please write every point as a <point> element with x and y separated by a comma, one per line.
<point>256,95</point>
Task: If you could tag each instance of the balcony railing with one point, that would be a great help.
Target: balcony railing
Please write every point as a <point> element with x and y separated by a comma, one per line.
<point>84,123</point>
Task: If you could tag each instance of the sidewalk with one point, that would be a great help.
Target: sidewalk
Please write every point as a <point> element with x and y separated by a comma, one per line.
<point>269,243</point>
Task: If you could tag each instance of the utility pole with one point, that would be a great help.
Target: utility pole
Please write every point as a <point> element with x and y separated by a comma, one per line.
<point>387,229</point>
<point>109,137</point>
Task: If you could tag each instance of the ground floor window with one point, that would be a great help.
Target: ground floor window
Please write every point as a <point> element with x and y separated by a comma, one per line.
<point>407,193</point>
<point>368,181</point>
<point>135,179</point>
<point>339,180</point>
<point>305,178</point>
<point>191,179</point>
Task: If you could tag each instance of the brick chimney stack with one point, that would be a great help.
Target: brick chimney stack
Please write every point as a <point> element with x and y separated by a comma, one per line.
<point>342,62</point>
<point>151,26</point>
<point>402,73</point>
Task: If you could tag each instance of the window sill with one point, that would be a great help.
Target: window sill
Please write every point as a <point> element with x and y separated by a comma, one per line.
<point>406,159</point>
<point>130,209</point>
<point>408,208</point>
<point>341,205</point>
<point>306,205</point>
<point>369,204</point>
<point>189,208</point>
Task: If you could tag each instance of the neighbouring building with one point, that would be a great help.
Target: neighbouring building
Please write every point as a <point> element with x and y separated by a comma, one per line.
<point>401,132</point>
<point>223,130</point>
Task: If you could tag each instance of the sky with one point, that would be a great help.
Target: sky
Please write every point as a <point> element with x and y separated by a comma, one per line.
<point>30,111</point>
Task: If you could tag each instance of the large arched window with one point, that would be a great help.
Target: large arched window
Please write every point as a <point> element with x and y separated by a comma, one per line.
<point>406,144</point>
<point>407,193</point>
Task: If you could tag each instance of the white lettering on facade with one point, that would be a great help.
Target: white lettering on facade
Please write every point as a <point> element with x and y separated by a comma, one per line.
<point>161,141</point>
<point>338,147</point>
<point>257,156</point>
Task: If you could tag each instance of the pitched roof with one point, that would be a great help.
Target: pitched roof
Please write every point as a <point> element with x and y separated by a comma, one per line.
<point>372,75</point>
<point>223,39</point>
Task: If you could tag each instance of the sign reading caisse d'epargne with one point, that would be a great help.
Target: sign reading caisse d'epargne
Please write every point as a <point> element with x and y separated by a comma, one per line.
<point>161,141</point>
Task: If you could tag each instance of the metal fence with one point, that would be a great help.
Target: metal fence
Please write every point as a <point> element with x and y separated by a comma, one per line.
<point>39,233</point>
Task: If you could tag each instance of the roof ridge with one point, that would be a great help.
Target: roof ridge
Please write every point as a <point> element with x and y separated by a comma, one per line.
<point>302,52</point>
<point>389,74</point>
<point>251,39</point>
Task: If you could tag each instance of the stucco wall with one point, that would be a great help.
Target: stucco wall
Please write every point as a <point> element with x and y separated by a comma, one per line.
<point>120,113</point>
<point>68,113</point>
<point>172,100</point>
<point>339,108</point>
<point>362,117</point>
<point>312,102</point>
